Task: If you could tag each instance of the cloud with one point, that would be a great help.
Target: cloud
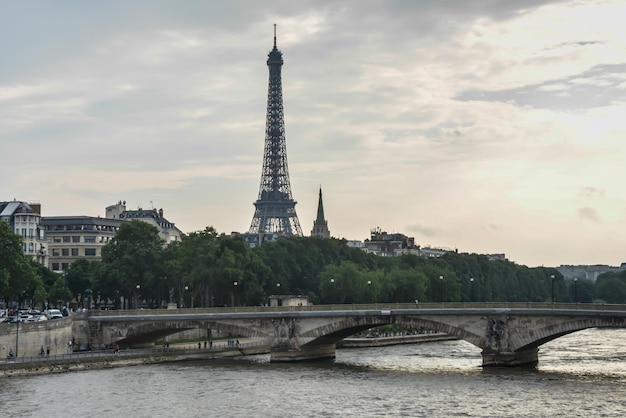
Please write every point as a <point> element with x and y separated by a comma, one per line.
<point>588,213</point>
<point>456,120</point>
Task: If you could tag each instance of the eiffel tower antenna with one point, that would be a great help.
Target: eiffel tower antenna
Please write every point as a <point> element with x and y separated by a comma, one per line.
<point>275,209</point>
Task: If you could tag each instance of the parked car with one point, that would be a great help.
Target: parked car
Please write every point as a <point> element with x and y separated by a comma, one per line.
<point>53,314</point>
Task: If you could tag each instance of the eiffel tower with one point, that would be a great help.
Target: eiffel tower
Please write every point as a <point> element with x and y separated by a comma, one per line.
<point>275,208</point>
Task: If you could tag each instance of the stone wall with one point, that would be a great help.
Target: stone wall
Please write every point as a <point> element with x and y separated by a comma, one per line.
<point>31,336</point>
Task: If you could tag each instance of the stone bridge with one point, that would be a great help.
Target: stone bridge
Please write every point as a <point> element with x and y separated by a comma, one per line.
<point>509,334</point>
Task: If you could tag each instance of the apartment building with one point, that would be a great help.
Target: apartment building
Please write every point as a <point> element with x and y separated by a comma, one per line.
<point>24,218</point>
<point>73,237</point>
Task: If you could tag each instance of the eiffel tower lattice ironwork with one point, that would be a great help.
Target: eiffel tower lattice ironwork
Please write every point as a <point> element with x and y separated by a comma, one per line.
<point>275,209</point>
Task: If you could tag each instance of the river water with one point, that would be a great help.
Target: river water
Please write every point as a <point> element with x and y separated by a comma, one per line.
<point>579,375</point>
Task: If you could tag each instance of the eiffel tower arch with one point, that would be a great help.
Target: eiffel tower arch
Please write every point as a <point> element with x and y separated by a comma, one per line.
<point>275,209</point>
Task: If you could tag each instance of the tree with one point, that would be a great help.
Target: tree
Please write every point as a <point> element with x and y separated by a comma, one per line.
<point>132,262</point>
<point>59,293</point>
<point>611,287</point>
<point>79,277</point>
<point>197,253</point>
<point>18,277</point>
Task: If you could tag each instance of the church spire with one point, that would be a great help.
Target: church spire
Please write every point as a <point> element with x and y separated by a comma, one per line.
<point>320,225</point>
<point>320,208</point>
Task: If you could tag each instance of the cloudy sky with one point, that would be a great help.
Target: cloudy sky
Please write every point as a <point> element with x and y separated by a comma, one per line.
<point>487,126</point>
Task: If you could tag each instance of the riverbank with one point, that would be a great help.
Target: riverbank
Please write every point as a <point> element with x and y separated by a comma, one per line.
<point>109,359</point>
<point>183,352</point>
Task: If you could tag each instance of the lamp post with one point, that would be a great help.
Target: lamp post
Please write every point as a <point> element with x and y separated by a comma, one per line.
<point>369,290</point>
<point>17,332</point>
<point>575,289</point>
<point>552,278</point>
<point>441,286</point>
<point>235,294</point>
<point>471,295</point>
<point>137,296</point>
<point>185,291</point>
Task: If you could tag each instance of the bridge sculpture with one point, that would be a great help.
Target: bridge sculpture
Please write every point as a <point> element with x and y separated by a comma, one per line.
<point>509,334</point>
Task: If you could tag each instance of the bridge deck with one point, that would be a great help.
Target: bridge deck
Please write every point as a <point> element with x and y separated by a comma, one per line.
<point>382,308</point>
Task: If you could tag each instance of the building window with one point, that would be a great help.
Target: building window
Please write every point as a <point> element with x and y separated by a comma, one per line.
<point>65,252</point>
<point>30,232</point>
<point>66,239</point>
<point>90,252</point>
<point>75,252</point>
<point>56,239</point>
<point>64,266</point>
<point>55,266</point>
<point>55,252</point>
<point>31,247</point>
<point>90,238</point>
<point>76,239</point>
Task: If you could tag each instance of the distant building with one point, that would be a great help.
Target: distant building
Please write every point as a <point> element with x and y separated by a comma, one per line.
<point>168,232</point>
<point>385,244</point>
<point>492,257</point>
<point>320,225</point>
<point>289,300</point>
<point>25,220</point>
<point>73,237</point>
<point>356,244</point>
<point>389,245</point>
<point>432,252</point>
<point>590,272</point>
<point>70,238</point>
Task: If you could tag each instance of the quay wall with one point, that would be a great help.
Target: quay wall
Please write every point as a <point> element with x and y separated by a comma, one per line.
<point>106,359</point>
<point>31,336</point>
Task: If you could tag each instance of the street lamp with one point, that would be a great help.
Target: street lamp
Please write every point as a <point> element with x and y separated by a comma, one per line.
<point>441,283</point>
<point>235,297</point>
<point>552,278</point>
<point>17,332</point>
<point>369,290</point>
<point>575,289</point>
<point>137,297</point>
<point>186,289</point>
<point>471,295</point>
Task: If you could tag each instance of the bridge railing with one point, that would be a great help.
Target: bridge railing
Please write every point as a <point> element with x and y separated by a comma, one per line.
<point>367,306</point>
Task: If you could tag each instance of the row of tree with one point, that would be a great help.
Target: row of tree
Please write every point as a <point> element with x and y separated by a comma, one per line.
<point>204,269</point>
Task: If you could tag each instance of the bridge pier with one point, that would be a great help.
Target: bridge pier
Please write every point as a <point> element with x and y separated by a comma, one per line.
<point>526,358</point>
<point>305,353</point>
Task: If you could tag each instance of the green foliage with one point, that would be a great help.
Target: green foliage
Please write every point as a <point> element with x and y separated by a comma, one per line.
<point>18,276</point>
<point>131,259</point>
<point>202,268</point>
<point>611,287</point>
<point>59,293</point>
<point>80,277</point>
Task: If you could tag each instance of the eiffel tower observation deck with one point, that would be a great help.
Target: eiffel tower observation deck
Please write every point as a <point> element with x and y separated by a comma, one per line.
<point>275,209</point>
